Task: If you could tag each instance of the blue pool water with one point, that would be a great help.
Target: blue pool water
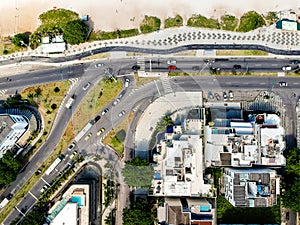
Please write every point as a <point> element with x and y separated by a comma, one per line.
<point>78,199</point>
<point>204,208</point>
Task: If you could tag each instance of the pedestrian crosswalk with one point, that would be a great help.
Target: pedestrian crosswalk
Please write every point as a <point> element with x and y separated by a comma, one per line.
<point>141,63</point>
<point>3,92</point>
<point>166,84</point>
<point>73,82</point>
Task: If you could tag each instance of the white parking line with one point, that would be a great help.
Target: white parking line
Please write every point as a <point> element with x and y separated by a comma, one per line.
<point>33,195</point>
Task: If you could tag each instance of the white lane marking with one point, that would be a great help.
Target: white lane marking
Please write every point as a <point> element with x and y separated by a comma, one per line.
<point>33,195</point>
<point>45,181</point>
<point>157,88</point>
<point>19,211</point>
<point>262,83</point>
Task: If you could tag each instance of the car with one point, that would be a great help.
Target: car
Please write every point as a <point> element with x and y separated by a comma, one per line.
<point>122,94</point>
<point>73,154</point>
<point>136,67</point>
<point>210,95</point>
<point>97,118</point>
<point>230,95</point>
<point>86,86</point>
<point>237,67</point>
<point>99,65</point>
<point>87,137</point>
<point>286,68</point>
<point>195,68</point>
<point>126,82</point>
<point>171,62</point>
<point>62,157</point>
<point>294,62</point>
<point>217,96</point>
<point>122,113</point>
<point>39,171</point>
<point>283,84</point>
<point>104,111</point>
<point>171,67</point>
<point>71,146</point>
<point>209,60</point>
<point>44,188</point>
<point>287,216</point>
<point>100,131</point>
<point>116,101</point>
<point>225,96</point>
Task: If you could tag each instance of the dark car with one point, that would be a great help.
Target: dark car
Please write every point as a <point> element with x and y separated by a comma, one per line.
<point>294,62</point>
<point>237,67</point>
<point>136,67</point>
<point>287,216</point>
<point>97,118</point>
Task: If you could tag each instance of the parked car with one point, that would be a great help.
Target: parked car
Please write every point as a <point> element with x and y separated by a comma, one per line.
<point>225,96</point>
<point>286,68</point>
<point>122,113</point>
<point>73,154</point>
<point>87,137</point>
<point>171,62</point>
<point>44,188</point>
<point>283,84</point>
<point>86,86</point>
<point>117,100</point>
<point>99,65</point>
<point>287,216</point>
<point>100,131</point>
<point>71,146</point>
<point>104,111</point>
<point>136,67</point>
<point>217,96</point>
<point>98,117</point>
<point>171,67</point>
<point>126,82</point>
<point>230,95</point>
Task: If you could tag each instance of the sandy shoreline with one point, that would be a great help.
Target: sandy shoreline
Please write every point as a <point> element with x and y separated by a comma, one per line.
<point>22,15</point>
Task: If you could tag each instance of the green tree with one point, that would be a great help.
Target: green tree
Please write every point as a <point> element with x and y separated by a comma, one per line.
<point>251,21</point>
<point>138,214</point>
<point>19,40</point>
<point>137,173</point>
<point>293,162</point>
<point>53,106</point>
<point>8,163</point>
<point>75,32</point>
<point>56,89</point>
<point>38,92</point>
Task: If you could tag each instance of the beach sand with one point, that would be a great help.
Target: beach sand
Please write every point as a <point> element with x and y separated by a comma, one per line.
<point>22,15</point>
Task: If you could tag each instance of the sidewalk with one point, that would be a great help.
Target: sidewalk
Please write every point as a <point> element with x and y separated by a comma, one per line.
<point>162,40</point>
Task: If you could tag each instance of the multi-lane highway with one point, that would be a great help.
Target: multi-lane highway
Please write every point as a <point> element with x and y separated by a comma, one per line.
<point>140,96</point>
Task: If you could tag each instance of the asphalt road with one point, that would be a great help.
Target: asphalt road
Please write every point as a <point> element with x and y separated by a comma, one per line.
<point>132,98</point>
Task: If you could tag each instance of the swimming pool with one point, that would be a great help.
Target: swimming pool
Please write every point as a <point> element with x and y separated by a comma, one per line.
<point>79,199</point>
<point>204,208</point>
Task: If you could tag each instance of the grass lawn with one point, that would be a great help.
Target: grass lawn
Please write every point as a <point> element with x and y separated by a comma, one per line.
<point>143,80</point>
<point>47,98</point>
<point>202,21</point>
<point>240,52</point>
<point>150,24</point>
<point>177,21</point>
<point>117,136</point>
<point>7,47</point>
<point>229,22</point>
<point>89,107</point>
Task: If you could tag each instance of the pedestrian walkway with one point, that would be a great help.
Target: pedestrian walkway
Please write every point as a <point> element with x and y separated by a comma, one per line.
<point>141,63</point>
<point>267,38</point>
<point>166,84</point>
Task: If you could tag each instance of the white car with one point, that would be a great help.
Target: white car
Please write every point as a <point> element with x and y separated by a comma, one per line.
<point>171,62</point>
<point>126,82</point>
<point>99,65</point>
<point>116,101</point>
<point>283,84</point>
<point>230,95</point>
<point>286,68</point>
<point>122,113</point>
<point>86,86</point>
